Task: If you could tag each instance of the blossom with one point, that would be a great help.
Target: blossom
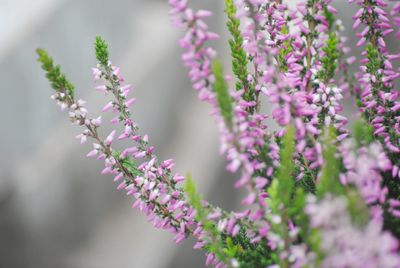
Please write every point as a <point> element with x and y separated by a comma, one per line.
<point>379,103</point>
<point>290,59</point>
<point>344,244</point>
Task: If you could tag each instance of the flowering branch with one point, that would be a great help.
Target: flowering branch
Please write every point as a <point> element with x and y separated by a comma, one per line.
<point>315,190</point>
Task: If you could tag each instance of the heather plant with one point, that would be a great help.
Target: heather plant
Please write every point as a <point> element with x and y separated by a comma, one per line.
<point>319,193</point>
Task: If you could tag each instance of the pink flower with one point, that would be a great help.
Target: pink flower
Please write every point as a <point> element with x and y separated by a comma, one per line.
<point>110,138</point>
<point>108,107</point>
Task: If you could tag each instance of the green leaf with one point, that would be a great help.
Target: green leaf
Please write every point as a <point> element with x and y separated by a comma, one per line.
<point>363,133</point>
<point>285,171</point>
<point>195,199</point>
<point>285,49</point>
<point>101,48</point>
<point>223,98</point>
<point>357,208</point>
<point>330,60</point>
<point>57,80</point>
<point>131,166</point>
<point>239,55</point>
<point>329,181</point>
<point>330,18</point>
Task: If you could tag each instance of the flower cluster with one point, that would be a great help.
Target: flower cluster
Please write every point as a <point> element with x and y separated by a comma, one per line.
<point>152,183</point>
<point>363,169</point>
<point>377,77</point>
<point>316,191</point>
<point>346,244</point>
<point>242,131</point>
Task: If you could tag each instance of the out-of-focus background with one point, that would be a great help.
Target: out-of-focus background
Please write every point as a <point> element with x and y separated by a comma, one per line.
<point>55,208</point>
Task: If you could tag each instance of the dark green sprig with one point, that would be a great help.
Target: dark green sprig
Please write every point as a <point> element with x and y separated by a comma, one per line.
<point>101,48</point>
<point>239,56</point>
<point>221,88</point>
<point>329,181</point>
<point>284,177</point>
<point>282,186</point>
<point>330,60</point>
<point>374,60</point>
<point>195,199</point>
<point>57,80</point>
<point>330,18</point>
<point>363,133</point>
<point>374,66</point>
<point>248,254</point>
<point>357,208</point>
<point>131,165</point>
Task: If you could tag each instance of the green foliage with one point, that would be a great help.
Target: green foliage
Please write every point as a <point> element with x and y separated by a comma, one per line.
<point>374,59</point>
<point>101,48</point>
<point>363,133</point>
<point>57,80</point>
<point>281,191</point>
<point>285,201</point>
<point>357,208</point>
<point>273,192</point>
<point>284,181</point>
<point>195,199</point>
<point>221,88</point>
<point>314,239</point>
<point>239,56</point>
<point>223,246</point>
<point>310,3</point>
<point>231,249</point>
<point>264,156</point>
<point>330,18</point>
<point>359,102</point>
<point>251,255</point>
<point>216,245</point>
<point>307,182</point>
<point>374,66</point>
<point>329,181</point>
<point>131,165</point>
<point>296,210</point>
<point>330,60</point>
<point>285,50</point>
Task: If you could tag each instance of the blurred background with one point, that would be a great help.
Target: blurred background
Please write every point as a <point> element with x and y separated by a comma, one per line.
<point>55,208</point>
